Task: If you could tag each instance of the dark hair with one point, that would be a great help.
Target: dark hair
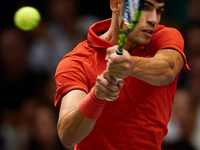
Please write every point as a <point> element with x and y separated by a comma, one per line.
<point>161,1</point>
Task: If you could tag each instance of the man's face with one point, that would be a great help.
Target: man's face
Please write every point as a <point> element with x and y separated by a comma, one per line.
<point>150,18</point>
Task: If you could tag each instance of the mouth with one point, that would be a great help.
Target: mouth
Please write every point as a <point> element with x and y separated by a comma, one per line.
<point>148,32</point>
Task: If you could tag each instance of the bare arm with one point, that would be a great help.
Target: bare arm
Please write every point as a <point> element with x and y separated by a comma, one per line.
<point>73,126</point>
<point>158,70</point>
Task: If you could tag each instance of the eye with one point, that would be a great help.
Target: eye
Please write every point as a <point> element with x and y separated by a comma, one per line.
<point>159,11</point>
<point>146,7</point>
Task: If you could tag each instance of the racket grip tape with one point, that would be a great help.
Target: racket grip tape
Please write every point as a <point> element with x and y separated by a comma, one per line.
<point>118,52</point>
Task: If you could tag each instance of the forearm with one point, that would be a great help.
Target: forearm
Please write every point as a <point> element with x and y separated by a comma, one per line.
<point>153,71</point>
<point>79,111</point>
<point>74,127</point>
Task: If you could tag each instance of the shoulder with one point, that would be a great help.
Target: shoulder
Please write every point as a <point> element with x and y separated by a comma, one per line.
<point>81,53</point>
<point>166,32</point>
<point>167,37</point>
<point>164,38</point>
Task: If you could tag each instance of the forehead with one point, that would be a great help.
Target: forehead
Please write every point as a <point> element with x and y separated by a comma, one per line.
<point>158,3</point>
<point>155,1</point>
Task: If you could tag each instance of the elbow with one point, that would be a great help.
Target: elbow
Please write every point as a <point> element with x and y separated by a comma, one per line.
<point>65,139</point>
<point>67,143</point>
<point>168,78</point>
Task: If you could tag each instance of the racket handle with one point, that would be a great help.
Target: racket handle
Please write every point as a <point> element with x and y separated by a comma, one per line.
<point>117,80</point>
<point>119,52</point>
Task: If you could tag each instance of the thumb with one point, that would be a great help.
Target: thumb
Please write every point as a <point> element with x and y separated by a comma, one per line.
<point>110,51</point>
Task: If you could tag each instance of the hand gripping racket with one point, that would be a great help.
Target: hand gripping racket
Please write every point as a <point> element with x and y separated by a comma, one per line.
<point>132,10</point>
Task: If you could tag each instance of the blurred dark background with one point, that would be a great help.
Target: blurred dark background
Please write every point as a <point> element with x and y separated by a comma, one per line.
<point>8,8</point>
<point>28,62</point>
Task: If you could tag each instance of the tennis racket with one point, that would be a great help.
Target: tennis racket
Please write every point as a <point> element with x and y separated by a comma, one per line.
<point>132,10</point>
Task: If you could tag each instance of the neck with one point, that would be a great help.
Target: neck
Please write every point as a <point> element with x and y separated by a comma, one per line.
<point>112,34</point>
<point>129,46</point>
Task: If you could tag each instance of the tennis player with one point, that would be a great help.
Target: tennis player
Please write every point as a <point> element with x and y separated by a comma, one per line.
<point>98,113</point>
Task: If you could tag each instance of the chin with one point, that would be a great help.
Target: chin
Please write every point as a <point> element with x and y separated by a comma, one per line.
<point>143,42</point>
<point>139,40</point>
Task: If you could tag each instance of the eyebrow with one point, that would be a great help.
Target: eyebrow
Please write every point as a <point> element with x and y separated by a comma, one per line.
<point>152,5</point>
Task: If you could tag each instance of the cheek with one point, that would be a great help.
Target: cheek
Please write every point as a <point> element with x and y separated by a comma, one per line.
<point>138,37</point>
<point>136,32</point>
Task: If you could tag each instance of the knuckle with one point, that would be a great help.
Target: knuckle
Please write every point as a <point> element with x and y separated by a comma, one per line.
<point>126,66</point>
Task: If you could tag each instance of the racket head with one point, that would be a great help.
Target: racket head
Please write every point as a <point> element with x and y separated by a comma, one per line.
<point>132,10</point>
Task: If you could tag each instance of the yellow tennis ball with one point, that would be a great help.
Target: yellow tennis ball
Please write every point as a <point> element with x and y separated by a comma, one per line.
<point>27,18</point>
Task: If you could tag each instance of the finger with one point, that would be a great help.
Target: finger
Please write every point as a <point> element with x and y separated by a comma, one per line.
<point>111,79</point>
<point>106,85</point>
<point>114,70</point>
<point>110,50</point>
<point>118,59</point>
<point>102,92</point>
<point>106,89</point>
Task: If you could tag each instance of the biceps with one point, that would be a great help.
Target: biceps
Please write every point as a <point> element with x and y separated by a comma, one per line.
<point>70,102</point>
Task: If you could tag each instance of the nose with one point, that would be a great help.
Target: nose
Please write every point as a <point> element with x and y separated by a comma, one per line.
<point>153,17</point>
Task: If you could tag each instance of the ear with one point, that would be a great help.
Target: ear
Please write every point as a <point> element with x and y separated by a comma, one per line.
<point>116,6</point>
